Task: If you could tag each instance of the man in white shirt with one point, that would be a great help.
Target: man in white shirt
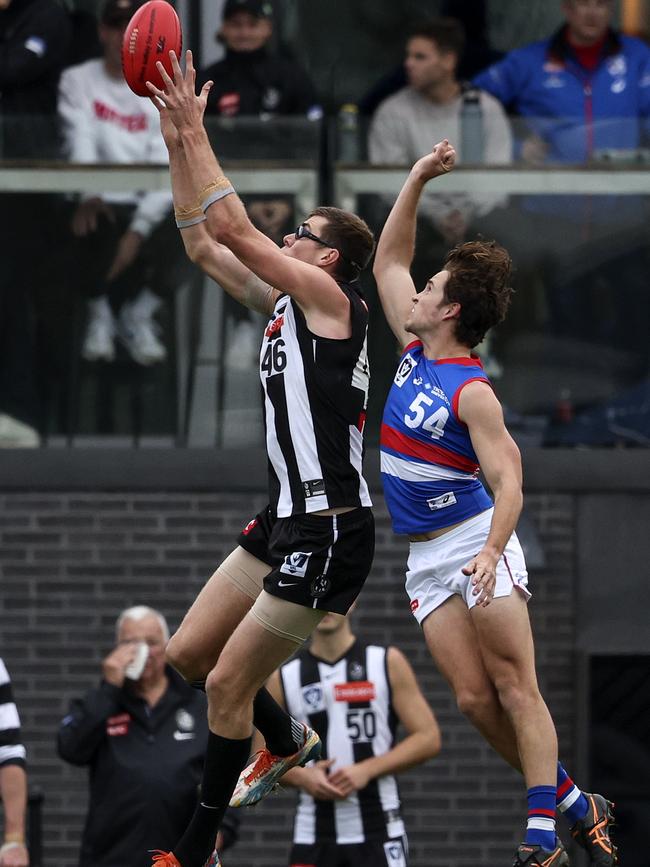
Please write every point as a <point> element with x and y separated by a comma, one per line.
<point>119,233</point>
<point>434,106</point>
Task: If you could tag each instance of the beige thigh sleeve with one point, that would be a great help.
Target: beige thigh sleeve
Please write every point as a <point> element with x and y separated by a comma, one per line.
<point>245,572</point>
<point>286,619</point>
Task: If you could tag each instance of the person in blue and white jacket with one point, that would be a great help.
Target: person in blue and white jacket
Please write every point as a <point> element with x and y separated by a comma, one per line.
<point>582,90</point>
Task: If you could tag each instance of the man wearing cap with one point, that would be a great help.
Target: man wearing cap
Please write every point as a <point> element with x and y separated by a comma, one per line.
<point>121,244</point>
<point>252,79</point>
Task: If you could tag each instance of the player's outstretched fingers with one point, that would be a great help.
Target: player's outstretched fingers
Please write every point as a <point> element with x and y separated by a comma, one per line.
<point>167,81</point>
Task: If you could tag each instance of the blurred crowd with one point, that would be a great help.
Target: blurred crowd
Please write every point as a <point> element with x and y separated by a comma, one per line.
<point>88,280</point>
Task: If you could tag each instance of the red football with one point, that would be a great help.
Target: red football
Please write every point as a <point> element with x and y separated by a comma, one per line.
<point>153,31</point>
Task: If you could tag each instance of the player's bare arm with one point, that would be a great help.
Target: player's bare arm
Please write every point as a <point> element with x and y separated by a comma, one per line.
<point>421,743</point>
<point>500,461</point>
<point>227,222</point>
<point>216,260</point>
<point>396,246</point>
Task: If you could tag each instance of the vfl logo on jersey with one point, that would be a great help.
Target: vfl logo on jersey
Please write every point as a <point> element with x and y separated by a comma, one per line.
<point>395,853</point>
<point>312,697</point>
<point>118,726</point>
<point>361,691</point>
<point>296,563</point>
<point>442,501</point>
<point>274,326</point>
<point>407,366</point>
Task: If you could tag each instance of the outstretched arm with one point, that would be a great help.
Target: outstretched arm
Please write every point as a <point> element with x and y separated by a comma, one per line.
<point>216,260</point>
<point>397,243</point>
<point>227,221</point>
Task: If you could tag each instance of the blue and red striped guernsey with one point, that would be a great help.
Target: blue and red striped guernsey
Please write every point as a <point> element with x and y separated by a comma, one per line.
<point>428,465</point>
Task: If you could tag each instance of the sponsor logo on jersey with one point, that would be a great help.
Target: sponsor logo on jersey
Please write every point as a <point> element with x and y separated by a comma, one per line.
<point>312,696</point>
<point>184,736</point>
<point>296,563</point>
<point>274,326</point>
<point>362,690</point>
<point>440,393</point>
<point>250,526</point>
<point>442,501</point>
<point>406,368</point>
<point>415,605</point>
<point>118,726</point>
<point>553,66</point>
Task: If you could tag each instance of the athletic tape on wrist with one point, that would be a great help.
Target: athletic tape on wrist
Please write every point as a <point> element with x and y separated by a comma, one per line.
<point>191,221</point>
<point>215,196</point>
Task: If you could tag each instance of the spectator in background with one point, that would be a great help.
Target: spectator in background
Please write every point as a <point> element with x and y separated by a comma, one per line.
<point>13,779</point>
<point>255,81</point>
<point>478,54</point>
<point>34,42</point>
<point>434,106</point>
<point>142,733</point>
<point>123,250</point>
<point>354,695</point>
<point>582,93</point>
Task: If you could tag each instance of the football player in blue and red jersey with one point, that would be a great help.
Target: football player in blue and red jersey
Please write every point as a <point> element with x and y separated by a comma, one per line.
<point>466,575</point>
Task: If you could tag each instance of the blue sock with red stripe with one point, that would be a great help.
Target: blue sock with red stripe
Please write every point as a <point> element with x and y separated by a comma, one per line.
<point>570,799</point>
<point>540,829</point>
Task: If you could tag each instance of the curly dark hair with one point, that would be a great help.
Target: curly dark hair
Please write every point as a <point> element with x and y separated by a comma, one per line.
<point>351,236</point>
<point>479,273</point>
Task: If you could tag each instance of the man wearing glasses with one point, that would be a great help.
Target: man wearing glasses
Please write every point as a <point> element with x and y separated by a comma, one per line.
<point>309,551</point>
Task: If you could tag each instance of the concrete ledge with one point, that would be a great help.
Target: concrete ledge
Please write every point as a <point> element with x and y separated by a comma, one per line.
<point>245,469</point>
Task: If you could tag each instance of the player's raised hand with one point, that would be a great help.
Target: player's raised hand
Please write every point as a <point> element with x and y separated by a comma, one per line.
<point>440,161</point>
<point>184,107</point>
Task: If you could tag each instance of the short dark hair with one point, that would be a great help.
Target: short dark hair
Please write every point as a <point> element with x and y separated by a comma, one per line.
<point>351,236</point>
<point>447,33</point>
<point>479,273</point>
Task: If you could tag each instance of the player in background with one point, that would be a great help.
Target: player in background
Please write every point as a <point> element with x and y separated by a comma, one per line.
<point>310,550</point>
<point>466,576</point>
<point>354,695</point>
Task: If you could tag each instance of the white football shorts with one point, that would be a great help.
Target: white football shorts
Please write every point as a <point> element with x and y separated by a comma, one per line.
<point>434,568</point>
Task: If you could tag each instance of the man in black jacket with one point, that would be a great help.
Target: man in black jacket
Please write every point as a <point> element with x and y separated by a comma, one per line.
<point>143,734</point>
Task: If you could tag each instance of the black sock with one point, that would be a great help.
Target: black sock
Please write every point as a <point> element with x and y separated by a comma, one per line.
<point>282,733</point>
<point>225,759</point>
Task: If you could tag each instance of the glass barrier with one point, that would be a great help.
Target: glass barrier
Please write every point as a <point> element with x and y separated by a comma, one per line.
<point>571,361</point>
<point>157,355</point>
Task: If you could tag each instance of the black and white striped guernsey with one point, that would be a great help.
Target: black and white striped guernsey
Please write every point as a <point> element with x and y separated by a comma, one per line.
<point>348,703</point>
<point>12,752</point>
<point>315,393</point>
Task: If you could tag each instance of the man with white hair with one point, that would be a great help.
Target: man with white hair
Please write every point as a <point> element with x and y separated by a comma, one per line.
<point>142,733</point>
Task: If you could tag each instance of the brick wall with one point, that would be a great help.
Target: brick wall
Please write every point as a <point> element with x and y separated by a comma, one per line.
<point>69,562</point>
